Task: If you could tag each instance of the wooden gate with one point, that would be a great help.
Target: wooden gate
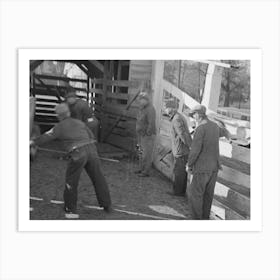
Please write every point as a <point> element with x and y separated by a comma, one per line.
<point>112,107</point>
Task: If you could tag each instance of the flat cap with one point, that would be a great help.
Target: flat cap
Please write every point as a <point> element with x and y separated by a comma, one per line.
<point>200,109</point>
<point>70,93</point>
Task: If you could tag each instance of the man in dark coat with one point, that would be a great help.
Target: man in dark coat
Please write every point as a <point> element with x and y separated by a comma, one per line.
<point>181,142</point>
<point>146,132</point>
<point>81,110</point>
<point>79,143</point>
<point>203,163</point>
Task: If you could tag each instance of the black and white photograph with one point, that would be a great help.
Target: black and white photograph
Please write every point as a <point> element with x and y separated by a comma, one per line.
<point>148,135</point>
<point>140,139</point>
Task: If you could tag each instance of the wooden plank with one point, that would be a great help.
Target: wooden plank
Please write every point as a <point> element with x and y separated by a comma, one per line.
<point>120,110</point>
<point>119,96</point>
<point>236,164</point>
<point>44,109</point>
<point>241,153</point>
<point>61,88</point>
<point>32,101</point>
<point>123,83</point>
<point>34,64</point>
<point>96,90</point>
<point>49,88</point>
<point>224,212</point>
<point>52,93</point>
<point>46,102</point>
<point>44,113</point>
<point>143,67</point>
<point>141,74</point>
<point>234,176</point>
<point>233,199</point>
<point>238,188</point>
<point>50,107</point>
<point>140,62</point>
<point>234,151</point>
<point>97,81</point>
<point>104,97</point>
<point>45,118</point>
<point>66,79</point>
<point>97,64</point>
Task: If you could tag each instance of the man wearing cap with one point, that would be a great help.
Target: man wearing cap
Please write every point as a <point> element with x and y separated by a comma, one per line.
<point>81,110</point>
<point>79,143</point>
<point>203,163</point>
<point>146,131</point>
<point>181,142</point>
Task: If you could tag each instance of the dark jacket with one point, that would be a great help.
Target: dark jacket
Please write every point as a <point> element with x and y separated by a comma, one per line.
<point>80,110</point>
<point>71,132</point>
<point>146,121</point>
<point>204,154</point>
<point>180,136</point>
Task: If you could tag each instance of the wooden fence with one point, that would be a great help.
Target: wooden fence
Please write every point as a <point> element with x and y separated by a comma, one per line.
<point>48,95</point>
<point>112,102</point>
<point>232,191</point>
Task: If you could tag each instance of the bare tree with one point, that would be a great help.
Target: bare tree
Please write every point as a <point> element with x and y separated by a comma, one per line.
<point>236,82</point>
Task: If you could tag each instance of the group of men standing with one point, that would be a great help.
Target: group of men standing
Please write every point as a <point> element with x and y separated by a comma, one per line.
<point>197,155</point>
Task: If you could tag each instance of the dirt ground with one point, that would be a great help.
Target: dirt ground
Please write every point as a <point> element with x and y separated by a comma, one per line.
<point>133,197</point>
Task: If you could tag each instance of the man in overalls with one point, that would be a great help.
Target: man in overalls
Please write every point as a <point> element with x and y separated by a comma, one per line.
<point>79,143</point>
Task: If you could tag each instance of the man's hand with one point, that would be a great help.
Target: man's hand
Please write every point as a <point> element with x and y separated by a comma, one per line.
<point>33,150</point>
<point>189,169</point>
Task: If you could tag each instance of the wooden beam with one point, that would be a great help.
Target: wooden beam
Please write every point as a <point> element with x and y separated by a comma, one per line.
<point>104,95</point>
<point>34,64</point>
<point>66,79</point>
<point>217,63</point>
<point>96,90</point>
<point>98,65</point>
<point>120,96</point>
<point>83,68</point>
<point>118,83</point>
<point>59,88</point>
<point>48,87</point>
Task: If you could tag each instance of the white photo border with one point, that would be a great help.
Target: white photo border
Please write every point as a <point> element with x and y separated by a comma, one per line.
<point>24,222</point>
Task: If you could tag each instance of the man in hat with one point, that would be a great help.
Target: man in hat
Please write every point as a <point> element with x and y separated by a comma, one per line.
<point>203,163</point>
<point>81,110</point>
<point>181,142</point>
<point>79,143</point>
<point>146,131</point>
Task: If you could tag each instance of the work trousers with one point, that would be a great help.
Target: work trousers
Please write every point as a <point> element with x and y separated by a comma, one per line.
<point>147,146</point>
<point>85,157</point>
<point>200,194</point>
<point>180,175</point>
